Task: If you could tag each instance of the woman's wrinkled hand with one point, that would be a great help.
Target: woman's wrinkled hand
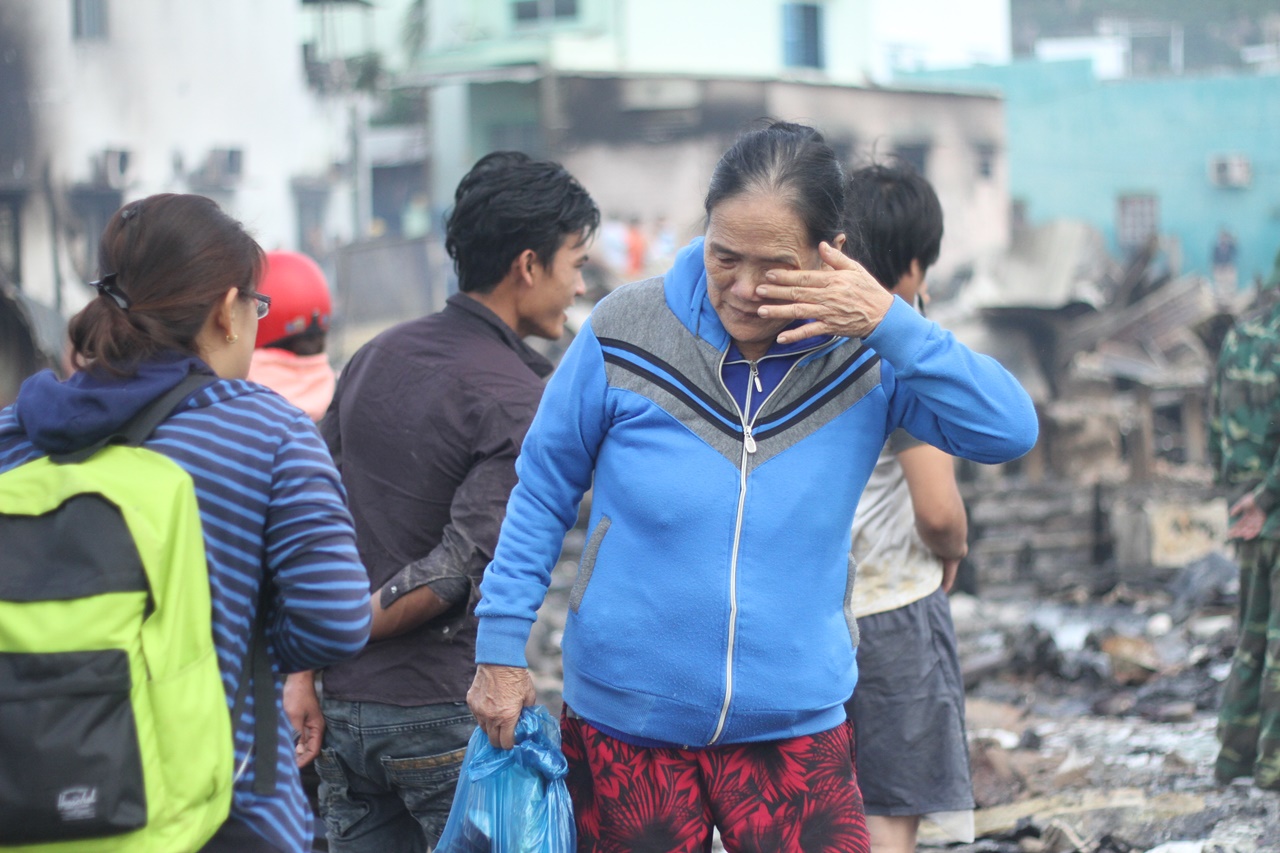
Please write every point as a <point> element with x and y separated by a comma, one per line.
<point>496,697</point>
<point>840,299</point>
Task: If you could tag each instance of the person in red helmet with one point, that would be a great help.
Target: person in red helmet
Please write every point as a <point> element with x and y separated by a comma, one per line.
<point>289,357</point>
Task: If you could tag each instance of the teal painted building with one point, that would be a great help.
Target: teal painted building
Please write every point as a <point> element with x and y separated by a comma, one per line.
<point>1178,156</point>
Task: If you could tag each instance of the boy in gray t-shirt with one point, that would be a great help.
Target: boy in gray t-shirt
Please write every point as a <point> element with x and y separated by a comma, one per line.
<point>909,535</point>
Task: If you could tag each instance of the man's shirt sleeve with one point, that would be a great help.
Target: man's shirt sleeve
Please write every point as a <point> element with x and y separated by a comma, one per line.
<point>456,565</point>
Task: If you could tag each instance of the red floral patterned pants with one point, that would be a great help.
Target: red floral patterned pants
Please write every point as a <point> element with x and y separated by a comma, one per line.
<point>798,795</point>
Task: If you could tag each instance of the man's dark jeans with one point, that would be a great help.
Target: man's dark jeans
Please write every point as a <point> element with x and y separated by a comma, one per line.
<point>388,773</point>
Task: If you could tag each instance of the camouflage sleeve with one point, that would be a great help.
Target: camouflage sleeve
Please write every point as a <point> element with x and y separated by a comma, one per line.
<point>1267,495</point>
<point>1267,398</point>
<point>1245,413</point>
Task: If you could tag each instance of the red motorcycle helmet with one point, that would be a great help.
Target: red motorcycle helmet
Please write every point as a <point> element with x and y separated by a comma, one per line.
<point>299,298</point>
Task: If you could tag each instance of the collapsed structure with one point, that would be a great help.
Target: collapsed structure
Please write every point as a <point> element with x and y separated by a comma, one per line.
<point>1118,357</point>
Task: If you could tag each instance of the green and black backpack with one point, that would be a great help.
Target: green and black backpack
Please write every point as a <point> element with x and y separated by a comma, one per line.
<point>114,729</point>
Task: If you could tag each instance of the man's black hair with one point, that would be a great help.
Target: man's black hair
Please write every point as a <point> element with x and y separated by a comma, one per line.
<point>892,216</point>
<point>507,203</point>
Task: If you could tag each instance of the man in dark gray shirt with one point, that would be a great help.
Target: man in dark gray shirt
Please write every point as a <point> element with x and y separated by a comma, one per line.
<point>425,427</point>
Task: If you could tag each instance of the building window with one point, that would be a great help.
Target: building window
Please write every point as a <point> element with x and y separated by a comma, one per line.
<point>1019,217</point>
<point>543,11</point>
<point>913,154</point>
<point>802,35</point>
<point>1137,220</point>
<point>89,19</point>
<point>92,207</point>
<point>311,205</point>
<point>986,157</point>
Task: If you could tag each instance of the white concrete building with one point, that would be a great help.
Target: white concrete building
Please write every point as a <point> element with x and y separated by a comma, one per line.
<point>654,164</point>
<point>640,97</point>
<point>836,41</point>
<point>105,101</point>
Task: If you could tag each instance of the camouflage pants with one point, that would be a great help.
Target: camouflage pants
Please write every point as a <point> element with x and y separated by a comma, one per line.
<point>1249,721</point>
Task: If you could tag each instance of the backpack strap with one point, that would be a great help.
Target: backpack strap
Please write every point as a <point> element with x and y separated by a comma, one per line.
<point>257,670</point>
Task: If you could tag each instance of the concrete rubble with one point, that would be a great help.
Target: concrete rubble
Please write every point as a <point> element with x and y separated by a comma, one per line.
<point>1098,725</point>
<point>1104,622</point>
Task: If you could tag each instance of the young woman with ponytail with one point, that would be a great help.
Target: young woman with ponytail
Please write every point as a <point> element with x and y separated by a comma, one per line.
<point>176,295</point>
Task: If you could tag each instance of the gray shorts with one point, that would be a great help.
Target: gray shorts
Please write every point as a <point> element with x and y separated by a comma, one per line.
<point>908,712</point>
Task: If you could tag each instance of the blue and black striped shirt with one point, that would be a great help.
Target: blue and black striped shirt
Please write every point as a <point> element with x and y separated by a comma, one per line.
<point>272,506</point>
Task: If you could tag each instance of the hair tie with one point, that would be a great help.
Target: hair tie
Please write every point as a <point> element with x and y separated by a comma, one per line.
<point>106,286</point>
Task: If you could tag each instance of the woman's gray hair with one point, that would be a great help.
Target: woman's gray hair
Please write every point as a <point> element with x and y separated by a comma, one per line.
<point>788,161</point>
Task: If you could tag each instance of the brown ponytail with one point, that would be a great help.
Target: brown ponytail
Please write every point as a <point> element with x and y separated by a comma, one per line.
<point>174,258</point>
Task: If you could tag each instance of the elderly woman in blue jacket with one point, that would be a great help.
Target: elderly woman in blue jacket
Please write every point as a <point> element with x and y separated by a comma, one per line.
<point>728,415</point>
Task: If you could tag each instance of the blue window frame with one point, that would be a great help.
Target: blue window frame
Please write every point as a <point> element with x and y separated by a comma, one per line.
<point>802,35</point>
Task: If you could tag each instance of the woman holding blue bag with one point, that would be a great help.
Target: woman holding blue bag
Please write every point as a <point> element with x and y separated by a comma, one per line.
<point>727,416</point>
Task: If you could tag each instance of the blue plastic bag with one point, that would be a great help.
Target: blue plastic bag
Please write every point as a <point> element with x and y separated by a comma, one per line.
<point>513,800</point>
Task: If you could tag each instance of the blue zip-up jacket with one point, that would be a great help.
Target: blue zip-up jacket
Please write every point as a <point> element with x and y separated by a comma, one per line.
<point>711,604</point>
<point>272,510</point>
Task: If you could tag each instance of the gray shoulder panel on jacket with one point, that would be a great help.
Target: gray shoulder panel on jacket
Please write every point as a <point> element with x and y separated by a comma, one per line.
<point>649,351</point>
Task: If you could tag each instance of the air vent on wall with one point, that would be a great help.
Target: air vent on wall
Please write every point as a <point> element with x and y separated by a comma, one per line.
<point>1230,170</point>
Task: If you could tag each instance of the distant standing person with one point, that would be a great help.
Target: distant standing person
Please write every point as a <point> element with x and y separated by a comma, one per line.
<point>637,248</point>
<point>909,535</point>
<point>1244,448</point>
<point>1224,261</point>
<point>425,428</point>
<point>289,354</point>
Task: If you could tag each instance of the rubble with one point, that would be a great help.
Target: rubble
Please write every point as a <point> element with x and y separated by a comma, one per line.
<point>1118,358</point>
<point>1097,728</point>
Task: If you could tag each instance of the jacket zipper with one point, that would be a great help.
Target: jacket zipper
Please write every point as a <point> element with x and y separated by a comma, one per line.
<point>749,448</point>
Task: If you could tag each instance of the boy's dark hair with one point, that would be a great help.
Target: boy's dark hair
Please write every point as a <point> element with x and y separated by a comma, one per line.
<point>791,161</point>
<point>507,203</point>
<point>892,216</point>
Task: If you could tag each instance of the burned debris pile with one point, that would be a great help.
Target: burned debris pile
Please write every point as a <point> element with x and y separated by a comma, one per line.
<point>1118,358</point>
<point>1099,622</point>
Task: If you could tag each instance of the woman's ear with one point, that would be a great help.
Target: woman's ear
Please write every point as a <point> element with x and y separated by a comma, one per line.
<point>838,242</point>
<point>224,312</point>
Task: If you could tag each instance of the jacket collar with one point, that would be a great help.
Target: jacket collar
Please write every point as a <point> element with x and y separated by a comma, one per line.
<point>535,361</point>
